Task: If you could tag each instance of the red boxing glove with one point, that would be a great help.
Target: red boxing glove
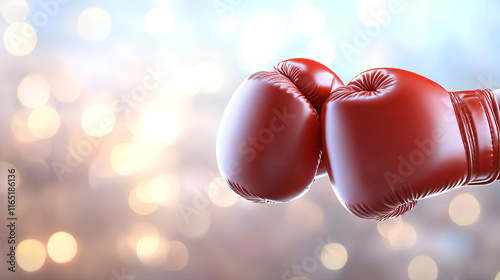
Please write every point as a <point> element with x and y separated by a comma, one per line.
<point>269,141</point>
<point>393,137</point>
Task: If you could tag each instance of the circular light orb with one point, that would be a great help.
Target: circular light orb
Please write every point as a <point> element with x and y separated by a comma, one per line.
<point>221,194</point>
<point>15,10</point>
<point>422,268</point>
<point>158,128</point>
<point>405,238</point>
<point>390,227</point>
<point>126,158</point>
<point>147,245</point>
<point>498,276</point>
<point>19,127</point>
<point>98,120</point>
<point>165,189</point>
<point>20,39</point>
<point>320,49</point>
<point>194,222</point>
<point>464,209</point>
<point>309,21</point>
<point>142,192</point>
<point>140,206</point>
<point>152,250</point>
<point>94,24</point>
<point>31,255</point>
<point>62,247</point>
<point>33,91</point>
<point>177,257</point>
<point>44,122</point>
<point>333,256</point>
<point>372,12</point>
<point>159,21</point>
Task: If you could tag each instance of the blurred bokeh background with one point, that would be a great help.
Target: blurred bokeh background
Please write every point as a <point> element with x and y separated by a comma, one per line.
<point>109,113</point>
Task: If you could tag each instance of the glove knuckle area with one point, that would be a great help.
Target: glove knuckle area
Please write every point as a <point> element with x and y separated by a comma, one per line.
<point>269,145</point>
<point>313,79</point>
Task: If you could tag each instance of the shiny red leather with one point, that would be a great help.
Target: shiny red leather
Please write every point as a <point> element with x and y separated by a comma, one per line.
<point>392,137</point>
<point>269,140</point>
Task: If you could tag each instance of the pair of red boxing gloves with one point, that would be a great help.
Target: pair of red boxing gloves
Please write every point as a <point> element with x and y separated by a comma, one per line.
<point>387,139</point>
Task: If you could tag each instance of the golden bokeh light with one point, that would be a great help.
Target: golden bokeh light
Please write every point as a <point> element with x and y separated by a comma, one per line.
<point>221,194</point>
<point>422,268</point>
<point>464,209</point>
<point>158,128</point>
<point>20,39</point>
<point>31,255</point>
<point>126,158</point>
<point>62,247</point>
<point>194,222</point>
<point>67,86</point>
<point>19,126</point>
<point>390,227</point>
<point>142,192</point>
<point>152,250</point>
<point>14,10</point>
<point>98,120</point>
<point>140,206</point>
<point>94,24</point>
<point>498,276</point>
<point>405,238</point>
<point>33,91</point>
<point>333,256</point>
<point>126,245</point>
<point>44,122</point>
<point>177,257</point>
<point>165,189</point>
<point>372,12</point>
<point>159,21</point>
<point>147,245</point>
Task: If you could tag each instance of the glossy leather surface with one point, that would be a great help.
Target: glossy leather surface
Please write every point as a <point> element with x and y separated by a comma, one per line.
<point>269,140</point>
<point>393,137</point>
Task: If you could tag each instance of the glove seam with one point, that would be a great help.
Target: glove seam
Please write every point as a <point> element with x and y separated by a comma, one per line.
<point>487,179</point>
<point>464,127</point>
<point>491,178</point>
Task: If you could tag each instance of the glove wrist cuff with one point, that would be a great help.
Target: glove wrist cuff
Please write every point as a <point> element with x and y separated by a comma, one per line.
<point>478,117</point>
